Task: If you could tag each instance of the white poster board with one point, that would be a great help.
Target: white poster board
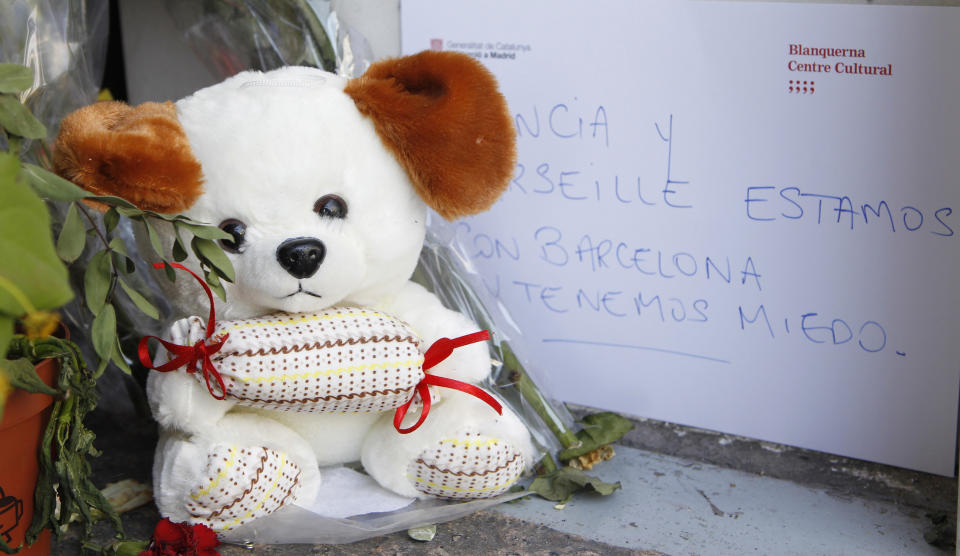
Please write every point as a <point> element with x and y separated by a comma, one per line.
<point>738,216</point>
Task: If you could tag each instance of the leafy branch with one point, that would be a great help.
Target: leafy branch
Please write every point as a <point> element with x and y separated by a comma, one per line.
<point>111,266</point>
<point>34,282</point>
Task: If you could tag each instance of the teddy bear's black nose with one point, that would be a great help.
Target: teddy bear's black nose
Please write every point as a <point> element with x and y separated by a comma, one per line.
<point>301,257</point>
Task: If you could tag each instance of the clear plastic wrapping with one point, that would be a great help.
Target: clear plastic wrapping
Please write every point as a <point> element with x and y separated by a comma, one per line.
<point>64,41</point>
<point>230,37</point>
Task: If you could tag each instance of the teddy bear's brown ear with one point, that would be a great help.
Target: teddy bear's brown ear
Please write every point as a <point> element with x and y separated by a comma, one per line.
<point>139,153</point>
<point>445,120</point>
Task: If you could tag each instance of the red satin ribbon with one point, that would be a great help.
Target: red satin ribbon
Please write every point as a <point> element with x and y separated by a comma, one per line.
<point>440,350</point>
<point>189,356</point>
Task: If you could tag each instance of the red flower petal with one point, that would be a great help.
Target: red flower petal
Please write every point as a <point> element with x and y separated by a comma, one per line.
<point>168,532</point>
<point>182,539</point>
<point>204,537</point>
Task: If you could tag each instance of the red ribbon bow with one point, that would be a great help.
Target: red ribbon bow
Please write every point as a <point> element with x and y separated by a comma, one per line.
<point>437,352</point>
<point>189,356</point>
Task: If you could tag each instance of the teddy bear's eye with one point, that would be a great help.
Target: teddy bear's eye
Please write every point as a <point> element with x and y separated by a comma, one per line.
<point>330,206</point>
<point>238,230</point>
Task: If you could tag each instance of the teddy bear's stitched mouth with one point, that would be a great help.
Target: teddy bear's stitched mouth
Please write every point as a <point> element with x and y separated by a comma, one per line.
<point>299,291</point>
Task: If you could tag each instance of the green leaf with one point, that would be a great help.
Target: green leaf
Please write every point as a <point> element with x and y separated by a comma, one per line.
<point>209,252</point>
<point>9,167</point>
<point>118,202</point>
<point>170,272</point>
<point>130,212</point>
<point>121,256</point>
<point>110,219</point>
<point>204,231</point>
<point>103,332</point>
<point>122,263</point>
<point>119,246</point>
<point>73,236</point>
<point>101,367</point>
<point>51,186</point>
<point>599,430</point>
<point>118,358</point>
<point>139,300</point>
<point>214,282</point>
<point>16,119</point>
<point>15,78</point>
<point>154,238</point>
<point>22,374</point>
<point>560,485</point>
<point>6,333</point>
<point>179,251</point>
<point>128,548</point>
<point>96,280</point>
<point>28,258</point>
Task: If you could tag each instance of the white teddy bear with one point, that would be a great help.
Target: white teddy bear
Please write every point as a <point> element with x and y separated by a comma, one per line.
<point>323,183</point>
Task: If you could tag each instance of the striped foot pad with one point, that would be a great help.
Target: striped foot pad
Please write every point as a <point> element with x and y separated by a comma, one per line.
<point>242,484</point>
<point>466,467</point>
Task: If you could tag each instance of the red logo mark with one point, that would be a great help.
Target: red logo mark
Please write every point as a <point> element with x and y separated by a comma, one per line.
<point>436,44</point>
<point>798,87</point>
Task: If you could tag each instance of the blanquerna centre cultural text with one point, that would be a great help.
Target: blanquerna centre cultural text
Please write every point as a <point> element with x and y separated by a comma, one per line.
<point>851,62</point>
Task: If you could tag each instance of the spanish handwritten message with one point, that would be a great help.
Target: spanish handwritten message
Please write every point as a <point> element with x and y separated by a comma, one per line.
<point>736,216</point>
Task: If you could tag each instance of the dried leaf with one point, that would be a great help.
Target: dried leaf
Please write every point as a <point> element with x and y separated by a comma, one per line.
<point>423,534</point>
<point>23,374</point>
<point>599,430</point>
<point>127,494</point>
<point>560,485</point>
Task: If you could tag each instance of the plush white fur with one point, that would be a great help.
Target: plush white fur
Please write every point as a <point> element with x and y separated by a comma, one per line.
<point>270,145</point>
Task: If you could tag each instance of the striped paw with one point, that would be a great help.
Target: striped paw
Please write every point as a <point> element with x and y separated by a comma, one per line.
<point>242,484</point>
<point>466,467</point>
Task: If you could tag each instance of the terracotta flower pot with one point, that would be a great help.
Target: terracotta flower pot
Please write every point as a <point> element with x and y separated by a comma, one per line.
<point>24,419</point>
